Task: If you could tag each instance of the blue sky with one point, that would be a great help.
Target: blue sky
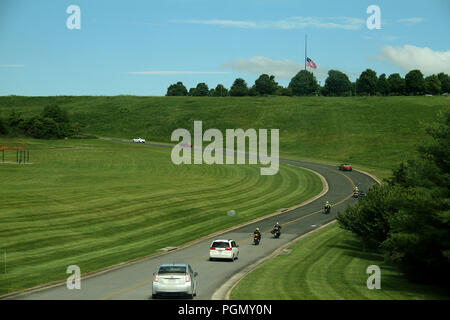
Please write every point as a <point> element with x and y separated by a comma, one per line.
<point>141,47</point>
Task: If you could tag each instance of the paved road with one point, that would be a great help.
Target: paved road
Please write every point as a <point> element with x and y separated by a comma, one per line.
<point>134,281</point>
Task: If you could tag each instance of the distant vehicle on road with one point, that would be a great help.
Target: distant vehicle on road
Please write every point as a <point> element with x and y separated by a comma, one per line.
<point>345,167</point>
<point>174,279</point>
<point>139,140</point>
<point>223,249</point>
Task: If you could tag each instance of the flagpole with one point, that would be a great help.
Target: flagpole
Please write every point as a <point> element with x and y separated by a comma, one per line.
<point>305,51</point>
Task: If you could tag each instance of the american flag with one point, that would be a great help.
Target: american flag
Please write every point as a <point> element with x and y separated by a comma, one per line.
<point>310,63</point>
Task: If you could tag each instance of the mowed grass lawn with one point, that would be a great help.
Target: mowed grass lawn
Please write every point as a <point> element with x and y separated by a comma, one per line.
<point>96,203</point>
<point>329,265</point>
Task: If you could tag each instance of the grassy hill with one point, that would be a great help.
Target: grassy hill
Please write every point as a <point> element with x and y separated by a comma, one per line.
<point>374,133</point>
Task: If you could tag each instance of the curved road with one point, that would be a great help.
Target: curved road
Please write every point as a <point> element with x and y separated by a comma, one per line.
<point>134,281</point>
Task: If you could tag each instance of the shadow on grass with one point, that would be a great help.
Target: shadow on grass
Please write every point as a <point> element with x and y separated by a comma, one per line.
<point>354,248</point>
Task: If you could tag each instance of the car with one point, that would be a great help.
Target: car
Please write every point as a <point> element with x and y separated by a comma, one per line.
<point>345,167</point>
<point>223,249</point>
<point>139,140</point>
<point>174,279</point>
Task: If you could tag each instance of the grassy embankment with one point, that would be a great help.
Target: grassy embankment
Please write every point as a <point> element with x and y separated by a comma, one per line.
<point>372,133</point>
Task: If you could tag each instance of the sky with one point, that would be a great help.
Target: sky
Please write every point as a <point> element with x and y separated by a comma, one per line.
<point>141,47</point>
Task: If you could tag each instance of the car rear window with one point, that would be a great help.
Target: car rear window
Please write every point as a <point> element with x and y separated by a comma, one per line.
<point>172,269</point>
<point>220,244</point>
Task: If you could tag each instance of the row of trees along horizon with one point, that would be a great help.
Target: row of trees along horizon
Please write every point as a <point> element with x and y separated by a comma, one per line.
<point>304,83</point>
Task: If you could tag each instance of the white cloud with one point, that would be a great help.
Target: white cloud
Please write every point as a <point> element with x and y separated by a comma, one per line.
<point>175,72</point>
<point>346,23</point>
<point>284,69</point>
<point>410,21</point>
<point>411,57</point>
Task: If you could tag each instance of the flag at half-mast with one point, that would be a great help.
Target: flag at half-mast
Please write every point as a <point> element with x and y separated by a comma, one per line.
<point>310,63</point>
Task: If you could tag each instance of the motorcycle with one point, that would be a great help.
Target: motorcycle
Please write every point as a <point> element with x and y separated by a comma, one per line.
<point>355,194</point>
<point>276,233</point>
<point>327,209</point>
<point>256,239</point>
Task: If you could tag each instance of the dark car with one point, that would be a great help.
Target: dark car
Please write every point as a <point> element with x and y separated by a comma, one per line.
<point>345,167</point>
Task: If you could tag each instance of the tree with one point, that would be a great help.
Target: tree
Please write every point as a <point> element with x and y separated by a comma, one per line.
<point>201,90</point>
<point>383,85</point>
<point>265,84</point>
<point>433,85</point>
<point>408,217</point>
<point>303,83</point>
<point>286,92</point>
<point>42,128</point>
<point>253,92</point>
<point>369,218</point>
<point>220,91</point>
<point>15,119</point>
<point>191,92</point>
<point>366,84</point>
<point>3,129</point>
<point>396,84</point>
<point>415,83</point>
<point>56,113</point>
<point>177,89</point>
<point>445,82</point>
<point>337,84</point>
<point>239,88</point>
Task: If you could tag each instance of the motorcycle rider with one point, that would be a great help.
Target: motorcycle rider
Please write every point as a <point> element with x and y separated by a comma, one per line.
<point>327,207</point>
<point>257,233</point>
<point>276,228</point>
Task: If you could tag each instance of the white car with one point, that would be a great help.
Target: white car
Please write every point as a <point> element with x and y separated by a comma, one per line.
<point>174,279</point>
<point>223,249</point>
<point>139,140</point>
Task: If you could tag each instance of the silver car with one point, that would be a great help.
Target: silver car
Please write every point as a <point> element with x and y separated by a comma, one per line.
<point>174,279</point>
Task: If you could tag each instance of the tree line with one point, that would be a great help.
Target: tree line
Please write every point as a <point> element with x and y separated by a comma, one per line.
<point>52,123</point>
<point>304,83</point>
<point>408,217</point>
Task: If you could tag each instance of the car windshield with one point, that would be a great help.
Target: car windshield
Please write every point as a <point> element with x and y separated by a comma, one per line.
<point>220,244</point>
<point>172,269</point>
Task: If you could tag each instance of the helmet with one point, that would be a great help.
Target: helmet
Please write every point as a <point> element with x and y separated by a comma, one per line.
<point>277,222</point>
<point>328,202</point>
<point>257,229</point>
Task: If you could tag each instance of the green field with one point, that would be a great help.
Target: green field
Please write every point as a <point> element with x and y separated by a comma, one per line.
<point>372,133</point>
<point>329,265</point>
<point>96,203</point>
